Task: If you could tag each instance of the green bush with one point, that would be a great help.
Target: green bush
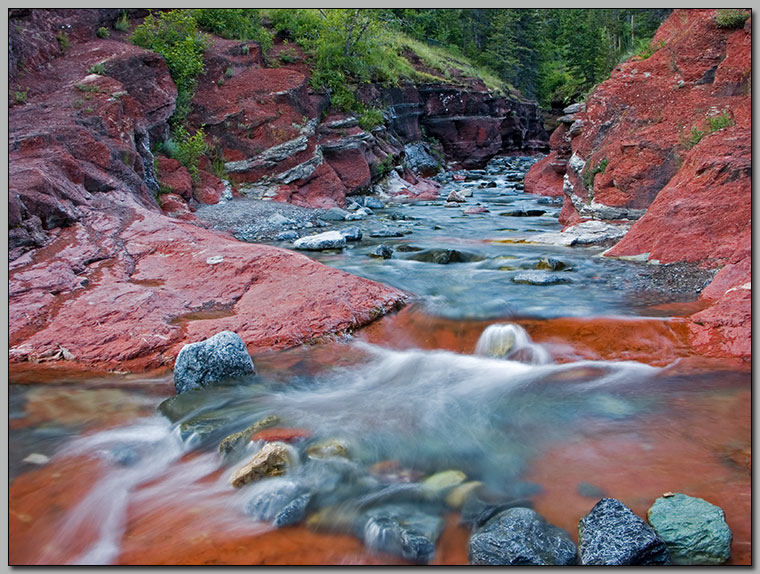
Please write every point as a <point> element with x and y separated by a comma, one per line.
<point>20,96</point>
<point>731,18</point>
<point>175,36</point>
<point>122,22</point>
<point>102,32</point>
<point>590,174</point>
<point>647,48</point>
<point>722,120</point>
<point>370,118</point>
<point>99,69</point>
<point>190,148</point>
<point>234,24</point>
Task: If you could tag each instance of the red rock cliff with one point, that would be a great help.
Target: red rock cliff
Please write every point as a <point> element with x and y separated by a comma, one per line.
<point>666,141</point>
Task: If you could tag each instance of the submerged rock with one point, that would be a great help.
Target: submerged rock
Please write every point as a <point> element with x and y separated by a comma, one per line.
<point>236,440</point>
<point>458,495</point>
<point>328,449</point>
<point>383,251</point>
<point>521,537</point>
<point>694,530</point>
<point>445,256</point>
<point>402,530</point>
<point>280,501</point>
<point>478,509</point>
<point>326,240</point>
<point>441,482</point>
<point>215,359</point>
<point>385,232</point>
<point>551,264</point>
<point>540,278</point>
<point>274,459</point>
<point>611,534</point>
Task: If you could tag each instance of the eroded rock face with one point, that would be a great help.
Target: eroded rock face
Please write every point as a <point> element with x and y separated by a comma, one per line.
<point>665,143</point>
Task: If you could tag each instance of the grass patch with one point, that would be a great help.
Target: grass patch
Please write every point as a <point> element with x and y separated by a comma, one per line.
<point>648,48</point>
<point>63,41</point>
<point>88,88</point>
<point>19,96</point>
<point>122,22</point>
<point>102,32</point>
<point>99,69</point>
<point>713,124</point>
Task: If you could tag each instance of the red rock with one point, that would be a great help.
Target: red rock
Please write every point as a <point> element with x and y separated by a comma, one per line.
<point>173,203</point>
<point>458,177</point>
<point>322,189</point>
<point>475,209</point>
<point>209,189</point>
<point>175,176</point>
<point>352,168</point>
<point>281,434</point>
<point>697,195</point>
<point>543,179</point>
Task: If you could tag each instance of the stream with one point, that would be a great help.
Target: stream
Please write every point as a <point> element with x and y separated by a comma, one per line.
<point>118,471</point>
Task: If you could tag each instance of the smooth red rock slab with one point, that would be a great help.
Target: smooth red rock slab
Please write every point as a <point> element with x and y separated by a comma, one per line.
<point>173,203</point>
<point>283,434</point>
<point>157,282</point>
<point>352,168</point>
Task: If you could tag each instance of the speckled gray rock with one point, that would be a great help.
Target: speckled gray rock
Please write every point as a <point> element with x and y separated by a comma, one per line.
<point>220,357</point>
<point>351,233</point>
<point>611,534</point>
<point>521,537</point>
<point>383,251</point>
<point>694,530</point>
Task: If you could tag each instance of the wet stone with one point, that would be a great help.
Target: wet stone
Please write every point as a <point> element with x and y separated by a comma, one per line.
<point>286,236</point>
<point>611,534</point>
<point>479,509</point>
<point>328,449</point>
<point>351,233</point>
<point>274,459</point>
<point>385,232</point>
<point>521,537</point>
<point>694,530</point>
<point>551,264</point>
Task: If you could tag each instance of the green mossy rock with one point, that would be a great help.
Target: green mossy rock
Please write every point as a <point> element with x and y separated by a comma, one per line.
<point>694,530</point>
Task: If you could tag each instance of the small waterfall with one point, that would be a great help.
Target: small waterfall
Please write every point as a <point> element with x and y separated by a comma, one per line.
<point>142,144</point>
<point>511,341</point>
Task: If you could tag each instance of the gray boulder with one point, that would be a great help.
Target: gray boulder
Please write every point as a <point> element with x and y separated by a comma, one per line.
<point>611,534</point>
<point>445,256</point>
<point>220,357</point>
<point>521,537</point>
<point>286,236</point>
<point>694,530</point>
<point>334,214</point>
<point>326,240</point>
<point>373,202</point>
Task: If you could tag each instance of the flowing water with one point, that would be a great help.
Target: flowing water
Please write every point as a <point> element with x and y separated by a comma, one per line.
<point>452,383</point>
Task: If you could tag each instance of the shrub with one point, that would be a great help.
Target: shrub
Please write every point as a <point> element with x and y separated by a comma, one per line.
<point>175,36</point>
<point>63,40</point>
<point>99,68</point>
<point>370,118</point>
<point>229,72</point>
<point>288,55</point>
<point>245,49</point>
<point>234,24</point>
<point>731,18</point>
<point>722,120</point>
<point>20,96</point>
<point>122,22</point>
<point>647,48</point>
<point>590,174</point>
<point>87,88</point>
<point>102,32</point>
<point>190,148</point>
